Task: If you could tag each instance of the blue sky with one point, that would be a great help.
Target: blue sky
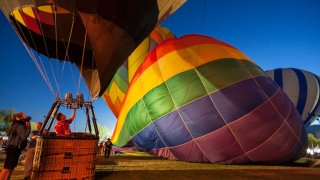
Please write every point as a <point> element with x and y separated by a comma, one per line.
<point>273,33</point>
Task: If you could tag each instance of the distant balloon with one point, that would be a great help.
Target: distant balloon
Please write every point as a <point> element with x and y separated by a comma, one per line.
<point>303,89</point>
<point>118,86</point>
<point>96,35</point>
<point>198,99</point>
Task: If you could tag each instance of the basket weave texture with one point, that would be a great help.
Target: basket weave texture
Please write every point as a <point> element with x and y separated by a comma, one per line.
<point>65,158</point>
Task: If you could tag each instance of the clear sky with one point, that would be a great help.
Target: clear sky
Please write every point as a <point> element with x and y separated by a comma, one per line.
<point>273,33</point>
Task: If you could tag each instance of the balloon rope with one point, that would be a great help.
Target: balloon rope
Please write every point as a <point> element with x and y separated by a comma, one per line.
<point>72,75</point>
<point>69,39</point>
<point>42,32</point>
<point>92,66</point>
<point>82,58</point>
<point>33,58</point>
<point>54,77</point>
<point>44,71</point>
<point>56,28</point>
<point>66,56</point>
<point>45,44</point>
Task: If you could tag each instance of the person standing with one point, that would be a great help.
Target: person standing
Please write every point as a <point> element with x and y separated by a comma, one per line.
<point>62,128</point>
<point>31,151</point>
<point>108,148</point>
<point>17,141</point>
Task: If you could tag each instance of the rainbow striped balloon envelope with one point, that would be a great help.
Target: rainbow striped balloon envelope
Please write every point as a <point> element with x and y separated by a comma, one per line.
<point>118,86</point>
<point>198,99</point>
<point>303,89</point>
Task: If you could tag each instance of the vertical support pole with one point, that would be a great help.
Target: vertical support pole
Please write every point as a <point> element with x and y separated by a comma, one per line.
<point>53,107</point>
<point>53,115</point>
<point>94,120</point>
<point>88,119</point>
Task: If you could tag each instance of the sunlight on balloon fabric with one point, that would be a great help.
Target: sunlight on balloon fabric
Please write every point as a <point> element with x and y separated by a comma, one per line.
<point>303,89</point>
<point>118,86</point>
<point>198,99</point>
<point>98,36</point>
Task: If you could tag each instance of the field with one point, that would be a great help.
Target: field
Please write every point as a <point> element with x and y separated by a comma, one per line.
<point>144,167</point>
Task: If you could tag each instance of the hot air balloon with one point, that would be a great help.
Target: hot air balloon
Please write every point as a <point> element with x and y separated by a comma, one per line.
<point>198,99</point>
<point>97,36</point>
<point>118,86</point>
<point>303,89</point>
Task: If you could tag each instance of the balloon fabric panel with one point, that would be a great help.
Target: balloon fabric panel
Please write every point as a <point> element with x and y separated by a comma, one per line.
<point>217,108</point>
<point>112,95</point>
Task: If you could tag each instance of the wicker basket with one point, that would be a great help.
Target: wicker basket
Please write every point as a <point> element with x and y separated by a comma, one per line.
<point>65,157</point>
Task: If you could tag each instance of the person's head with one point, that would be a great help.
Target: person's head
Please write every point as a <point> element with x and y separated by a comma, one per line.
<point>39,124</point>
<point>19,116</point>
<point>109,139</point>
<point>60,116</point>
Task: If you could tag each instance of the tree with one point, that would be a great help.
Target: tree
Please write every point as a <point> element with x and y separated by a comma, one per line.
<point>313,141</point>
<point>5,118</point>
<point>104,132</point>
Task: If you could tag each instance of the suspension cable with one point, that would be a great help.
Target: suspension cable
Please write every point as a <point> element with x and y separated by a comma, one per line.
<point>72,75</point>
<point>45,44</point>
<point>31,54</point>
<point>55,27</point>
<point>82,59</point>
<point>54,78</point>
<point>66,56</point>
<point>92,65</point>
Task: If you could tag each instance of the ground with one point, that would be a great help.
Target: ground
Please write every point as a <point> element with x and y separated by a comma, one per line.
<point>139,167</point>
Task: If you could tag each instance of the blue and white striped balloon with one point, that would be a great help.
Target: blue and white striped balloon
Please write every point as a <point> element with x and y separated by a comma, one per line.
<point>303,89</point>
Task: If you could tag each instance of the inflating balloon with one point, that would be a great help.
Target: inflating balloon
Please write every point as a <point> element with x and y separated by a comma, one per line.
<point>303,89</point>
<point>118,86</point>
<point>198,99</point>
<point>96,35</point>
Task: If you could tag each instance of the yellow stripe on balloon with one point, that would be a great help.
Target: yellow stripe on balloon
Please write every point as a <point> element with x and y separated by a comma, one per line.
<point>172,64</point>
<point>16,14</point>
<point>137,57</point>
<point>115,92</point>
<point>29,11</point>
<point>46,8</point>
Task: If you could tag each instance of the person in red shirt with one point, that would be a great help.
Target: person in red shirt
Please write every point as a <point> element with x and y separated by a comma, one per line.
<point>62,128</point>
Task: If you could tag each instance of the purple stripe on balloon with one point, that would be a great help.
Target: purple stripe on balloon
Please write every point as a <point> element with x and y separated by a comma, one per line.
<point>238,99</point>
<point>201,117</point>
<point>282,103</point>
<point>220,145</point>
<point>243,159</point>
<point>172,130</point>
<point>148,139</point>
<point>189,152</point>
<point>262,122</point>
<point>274,150</point>
<point>295,122</point>
<point>292,153</point>
<point>268,85</point>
